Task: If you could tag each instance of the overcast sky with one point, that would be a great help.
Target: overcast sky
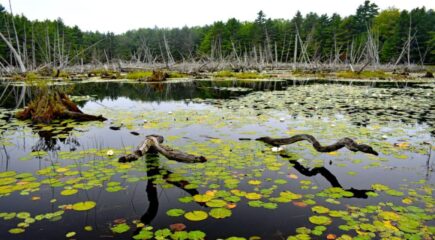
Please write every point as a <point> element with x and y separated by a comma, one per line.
<point>121,15</point>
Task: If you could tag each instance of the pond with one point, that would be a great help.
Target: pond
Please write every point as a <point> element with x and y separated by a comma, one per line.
<point>60,180</point>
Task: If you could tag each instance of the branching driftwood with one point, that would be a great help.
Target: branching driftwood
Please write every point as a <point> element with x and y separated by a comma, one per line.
<point>154,143</point>
<point>344,142</point>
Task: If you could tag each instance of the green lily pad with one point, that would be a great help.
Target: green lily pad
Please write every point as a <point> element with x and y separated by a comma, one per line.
<point>16,230</point>
<point>220,213</point>
<point>256,203</point>
<point>175,212</point>
<point>23,215</point>
<point>253,196</point>
<point>84,206</point>
<point>70,234</point>
<point>144,234</point>
<point>202,198</point>
<point>68,192</point>
<point>320,220</point>
<point>196,235</point>
<point>270,205</point>
<point>216,203</point>
<point>320,209</point>
<point>120,228</point>
<point>180,235</point>
<point>196,215</point>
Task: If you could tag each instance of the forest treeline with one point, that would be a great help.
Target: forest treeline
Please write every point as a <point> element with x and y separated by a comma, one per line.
<point>369,35</point>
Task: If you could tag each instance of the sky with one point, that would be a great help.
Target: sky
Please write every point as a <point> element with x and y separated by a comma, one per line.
<point>119,16</point>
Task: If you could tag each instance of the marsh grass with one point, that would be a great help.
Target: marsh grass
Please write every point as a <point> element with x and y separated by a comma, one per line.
<point>139,75</point>
<point>241,75</point>
<point>176,74</point>
<point>144,75</point>
<point>363,74</point>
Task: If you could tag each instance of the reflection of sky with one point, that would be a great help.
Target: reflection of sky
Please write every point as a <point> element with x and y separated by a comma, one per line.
<point>132,105</point>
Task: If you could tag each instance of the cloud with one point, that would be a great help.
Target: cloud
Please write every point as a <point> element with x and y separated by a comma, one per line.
<point>120,16</point>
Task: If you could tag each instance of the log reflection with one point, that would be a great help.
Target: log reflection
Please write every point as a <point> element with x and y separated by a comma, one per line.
<point>331,178</point>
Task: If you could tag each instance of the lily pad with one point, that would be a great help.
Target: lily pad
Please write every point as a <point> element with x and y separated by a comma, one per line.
<point>220,213</point>
<point>16,230</point>
<point>320,209</point>
<point>320,220</point>
<point>253,196</point>
<point>68,192</point>
<point>196,215</point>
<point>196,235</point>
<point>175,212</point>
<point>70,234</point>
<point>202,198</point>
<point>216,203</point>
<point>120,228</point>
<point>84,206</point>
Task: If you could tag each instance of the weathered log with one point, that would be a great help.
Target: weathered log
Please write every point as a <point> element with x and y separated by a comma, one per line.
<point>344,142</point>
<point>154,142</point>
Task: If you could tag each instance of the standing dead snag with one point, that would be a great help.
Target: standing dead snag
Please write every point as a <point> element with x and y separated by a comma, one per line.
<point>153,143</point>
<point>344,142</point>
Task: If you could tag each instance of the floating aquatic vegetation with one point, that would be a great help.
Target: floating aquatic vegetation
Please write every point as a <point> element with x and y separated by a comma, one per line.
<point>84,206</point>
<point>196,215</point>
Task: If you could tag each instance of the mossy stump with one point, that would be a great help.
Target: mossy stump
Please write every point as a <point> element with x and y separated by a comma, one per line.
<point>158,76</point>
<point>54,106</point>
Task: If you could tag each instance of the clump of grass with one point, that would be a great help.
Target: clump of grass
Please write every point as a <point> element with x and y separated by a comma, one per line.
<point>139,75</point>
<point>97,71</point>
<point>224,74</point>
<point>241,75</point>
<point>363,74</point>
<point>64,74</point>
<point>32,76</point>
<point>177,75</point>
<point>104,73</point>
<point>148,75</point>
<point>28,77</point>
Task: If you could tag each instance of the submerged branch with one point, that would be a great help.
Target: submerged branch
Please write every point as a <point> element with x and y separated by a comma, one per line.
<point>344,142</point>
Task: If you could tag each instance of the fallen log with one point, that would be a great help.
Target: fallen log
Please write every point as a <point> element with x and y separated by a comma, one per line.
<point>344,142</point>
<point>154,143</point>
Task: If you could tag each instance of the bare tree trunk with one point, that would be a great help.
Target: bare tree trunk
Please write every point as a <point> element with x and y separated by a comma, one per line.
<point>295,52</point>
<point>409,40</point>
<point>15,29</point>
<point>33,49</point>
<point>16,54</point>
